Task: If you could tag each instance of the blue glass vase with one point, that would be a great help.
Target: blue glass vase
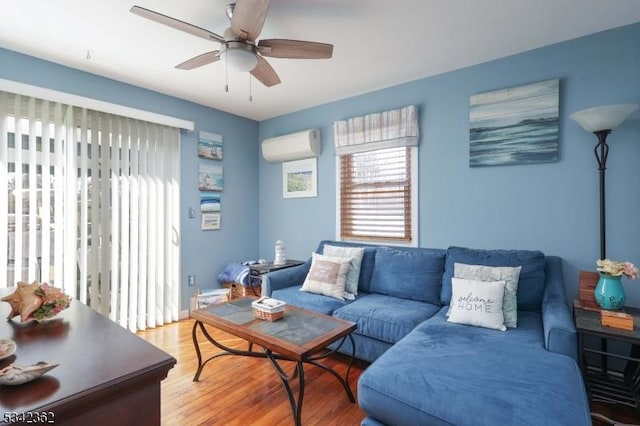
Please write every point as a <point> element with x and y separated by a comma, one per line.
<point>609,292</point>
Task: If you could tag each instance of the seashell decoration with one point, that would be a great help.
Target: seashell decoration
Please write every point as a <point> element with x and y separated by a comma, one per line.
<point>23,301</point>
<point>17,375</point>
<point>37,301</point>
<point>7,348</point>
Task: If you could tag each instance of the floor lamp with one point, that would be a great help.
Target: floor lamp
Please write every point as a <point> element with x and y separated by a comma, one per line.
<point>600,121</point>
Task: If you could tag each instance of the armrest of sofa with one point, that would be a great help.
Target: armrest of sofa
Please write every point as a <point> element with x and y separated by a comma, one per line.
<point>557,320</point>
<point>284,278</point>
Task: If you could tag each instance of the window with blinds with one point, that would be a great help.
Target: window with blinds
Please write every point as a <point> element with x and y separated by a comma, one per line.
<point>375,195</point>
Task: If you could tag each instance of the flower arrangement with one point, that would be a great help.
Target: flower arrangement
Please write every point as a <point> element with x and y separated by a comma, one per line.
<point>617,269</point>
<point>54,301</point>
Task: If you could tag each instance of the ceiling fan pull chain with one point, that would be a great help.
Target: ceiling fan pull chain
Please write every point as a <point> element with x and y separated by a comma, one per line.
<point>250,94</point>
<point>226,71</point>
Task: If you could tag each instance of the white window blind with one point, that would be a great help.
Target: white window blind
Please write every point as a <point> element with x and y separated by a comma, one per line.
<point>377,194</point>
<point>91,207</point>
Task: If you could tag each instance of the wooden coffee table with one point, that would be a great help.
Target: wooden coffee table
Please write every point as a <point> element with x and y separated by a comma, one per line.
<point>301,336</point>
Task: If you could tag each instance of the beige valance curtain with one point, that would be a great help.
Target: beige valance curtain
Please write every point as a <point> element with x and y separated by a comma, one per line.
<point>388,129</point>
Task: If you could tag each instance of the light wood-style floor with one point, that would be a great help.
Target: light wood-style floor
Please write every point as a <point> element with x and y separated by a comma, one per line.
<point>235,390</point>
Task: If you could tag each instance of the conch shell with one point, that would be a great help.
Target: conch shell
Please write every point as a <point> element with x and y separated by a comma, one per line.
<point>23,301</point>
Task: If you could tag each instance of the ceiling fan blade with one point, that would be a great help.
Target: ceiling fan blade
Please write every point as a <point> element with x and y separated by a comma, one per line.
<point>294,49</point>
<point>264,73</point>
<point>248,18</point>
<point>200,60</point>
<point>176,23</point>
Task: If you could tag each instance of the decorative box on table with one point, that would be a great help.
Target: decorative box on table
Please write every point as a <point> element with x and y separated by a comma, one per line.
<point>618,319</point>
<point>268,309</point>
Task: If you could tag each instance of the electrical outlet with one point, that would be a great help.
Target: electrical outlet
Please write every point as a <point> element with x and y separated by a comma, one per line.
<point>191,280</point>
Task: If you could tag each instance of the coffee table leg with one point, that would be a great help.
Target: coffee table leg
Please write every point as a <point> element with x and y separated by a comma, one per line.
<point>343,380</point>
<point>225,351</point>
<point>296,407</point>
<point>195,344</point>
<point>346,381</point>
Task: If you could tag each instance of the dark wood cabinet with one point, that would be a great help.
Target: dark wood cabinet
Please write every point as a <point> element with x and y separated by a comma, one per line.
<point>107,375</point>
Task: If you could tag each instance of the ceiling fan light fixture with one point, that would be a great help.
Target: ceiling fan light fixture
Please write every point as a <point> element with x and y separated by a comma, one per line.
<point>240,56</point>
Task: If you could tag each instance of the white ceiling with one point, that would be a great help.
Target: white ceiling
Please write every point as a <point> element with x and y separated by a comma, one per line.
<point>378,43</point>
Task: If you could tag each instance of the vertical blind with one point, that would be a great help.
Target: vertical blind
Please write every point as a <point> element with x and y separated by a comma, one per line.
<point>376,174</point>
<point>92,207</point>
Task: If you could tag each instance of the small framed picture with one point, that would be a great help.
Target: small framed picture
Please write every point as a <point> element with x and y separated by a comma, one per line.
<point>209,146</point>
<point>210,178</point>
<point>210,221</point>
<point>300,178</point>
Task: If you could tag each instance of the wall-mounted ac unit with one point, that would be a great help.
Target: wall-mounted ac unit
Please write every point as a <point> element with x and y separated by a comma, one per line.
<point>295,146</point>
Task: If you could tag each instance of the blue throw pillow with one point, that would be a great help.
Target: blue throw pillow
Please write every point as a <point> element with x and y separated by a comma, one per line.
<point>408,273</point>
<point>532,275</point>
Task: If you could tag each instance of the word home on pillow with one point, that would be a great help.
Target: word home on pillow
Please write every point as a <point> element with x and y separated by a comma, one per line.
<point>477,303</point>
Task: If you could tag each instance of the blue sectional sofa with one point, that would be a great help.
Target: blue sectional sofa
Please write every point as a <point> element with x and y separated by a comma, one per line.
<point>426,370</point>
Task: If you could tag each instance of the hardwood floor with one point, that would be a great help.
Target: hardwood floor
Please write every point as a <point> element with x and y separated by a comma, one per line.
<point>235,390</point>
<point>606,414</point>
<point>246,391</point>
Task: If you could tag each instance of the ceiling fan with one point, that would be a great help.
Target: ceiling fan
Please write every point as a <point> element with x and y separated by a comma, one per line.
<point>238,42</point>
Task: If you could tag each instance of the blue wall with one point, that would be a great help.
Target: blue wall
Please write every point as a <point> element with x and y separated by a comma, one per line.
<point>204,253</point>
<point>551,207</point>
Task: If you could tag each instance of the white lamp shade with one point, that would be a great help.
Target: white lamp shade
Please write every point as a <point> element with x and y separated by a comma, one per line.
<point>604,117</point>
<point>239,59</point>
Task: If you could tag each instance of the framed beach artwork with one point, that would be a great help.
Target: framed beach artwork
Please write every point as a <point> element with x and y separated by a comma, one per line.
<point>210,221</point>
<point>518,125</point>
<point>209,202</point>
<point>210,211</point>
<point>210,178</point>
<point>209,145</point>
<point>300,178</point>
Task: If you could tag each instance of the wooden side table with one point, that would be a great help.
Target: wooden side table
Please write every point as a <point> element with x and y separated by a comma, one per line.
<point>256,271</point>
<point>606,383</point>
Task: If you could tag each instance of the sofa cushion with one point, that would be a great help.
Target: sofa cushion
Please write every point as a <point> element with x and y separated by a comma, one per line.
<point>477,303</point>
<point>384,317</point>
<point>509,274</point>
<point>302,299</point>
<point>443,375</point>
<point>408,273</point>
<point>327,275</point>
<point>354,254</point>
<point>368,260</point>
<point>532,275</point>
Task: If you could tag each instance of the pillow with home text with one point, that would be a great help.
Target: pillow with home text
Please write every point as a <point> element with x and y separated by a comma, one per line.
<point>477,303</point>
<point>509,274</point>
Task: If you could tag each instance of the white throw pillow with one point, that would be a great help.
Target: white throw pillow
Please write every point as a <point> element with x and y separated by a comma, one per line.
<point>478,303</point>
<point>355,254</point>
<point>509,274</point>
<point>327,276</point>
